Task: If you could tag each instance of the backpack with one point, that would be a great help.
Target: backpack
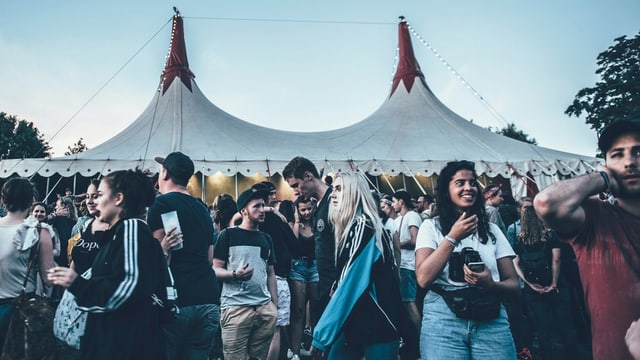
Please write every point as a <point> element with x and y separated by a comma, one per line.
<point>536,266</point>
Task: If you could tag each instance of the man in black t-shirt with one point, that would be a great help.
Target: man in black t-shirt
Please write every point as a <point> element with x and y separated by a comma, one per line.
<point>303,177</point>
<point>191,335</point>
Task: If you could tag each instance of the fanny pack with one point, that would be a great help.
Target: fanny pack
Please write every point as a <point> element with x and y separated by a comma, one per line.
<point>470,303</point>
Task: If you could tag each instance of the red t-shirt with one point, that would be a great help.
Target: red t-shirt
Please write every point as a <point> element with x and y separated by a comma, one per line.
<point>608,254</point>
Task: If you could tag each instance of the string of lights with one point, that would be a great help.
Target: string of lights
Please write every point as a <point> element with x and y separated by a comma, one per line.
<point>464,82</point>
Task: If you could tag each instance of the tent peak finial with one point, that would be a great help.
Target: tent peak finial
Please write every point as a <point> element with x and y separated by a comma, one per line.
<point>399,17</point>
<point>175,9</point>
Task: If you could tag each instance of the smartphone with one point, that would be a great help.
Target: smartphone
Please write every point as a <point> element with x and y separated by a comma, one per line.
<point>476,266</point>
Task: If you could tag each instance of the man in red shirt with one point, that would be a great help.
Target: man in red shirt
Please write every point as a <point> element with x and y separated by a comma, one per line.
<point>605,235</point>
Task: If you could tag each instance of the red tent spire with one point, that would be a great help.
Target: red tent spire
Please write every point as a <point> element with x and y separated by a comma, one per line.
<point>408,68</point>
<point>177,64</point>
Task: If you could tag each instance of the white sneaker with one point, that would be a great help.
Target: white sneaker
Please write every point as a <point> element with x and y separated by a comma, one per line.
<point>289,354</point>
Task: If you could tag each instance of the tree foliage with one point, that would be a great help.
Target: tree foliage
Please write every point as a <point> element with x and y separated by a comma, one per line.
<point>513,132</point>
<point>77,147</point>
<point>20,139</point>
<point>617,95</point>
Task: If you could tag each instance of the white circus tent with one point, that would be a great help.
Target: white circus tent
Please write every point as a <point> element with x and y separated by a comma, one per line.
<point>412,133</point>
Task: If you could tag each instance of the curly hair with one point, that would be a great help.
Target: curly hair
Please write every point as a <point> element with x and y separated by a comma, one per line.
<point>449,213</point>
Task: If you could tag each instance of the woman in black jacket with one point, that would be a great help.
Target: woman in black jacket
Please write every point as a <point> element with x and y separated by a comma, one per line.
<point>127,277</point>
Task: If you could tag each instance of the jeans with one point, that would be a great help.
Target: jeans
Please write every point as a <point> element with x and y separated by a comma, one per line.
<point>5,317</point>
<point>191,335</point>
<point>445,336</point>
<point>381,351</point>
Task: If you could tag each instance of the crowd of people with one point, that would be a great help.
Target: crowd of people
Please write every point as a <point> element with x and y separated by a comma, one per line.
<point>338,271</point>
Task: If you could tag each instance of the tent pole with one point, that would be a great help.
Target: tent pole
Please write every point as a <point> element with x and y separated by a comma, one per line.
<point>74,183</point>
<point>385,178</point>
<point>236,179</point>
<point>44,200</point>
<point>204,189</point>
<point>404,182</point>
<point>414,178</point>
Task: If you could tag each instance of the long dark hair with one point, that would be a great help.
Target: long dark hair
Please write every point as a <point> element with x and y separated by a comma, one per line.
<point>449,213</point>
<point>533,230</point>
<point>137,188</point>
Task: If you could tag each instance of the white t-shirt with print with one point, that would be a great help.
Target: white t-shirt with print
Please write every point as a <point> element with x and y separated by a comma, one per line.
<point>429,236</point>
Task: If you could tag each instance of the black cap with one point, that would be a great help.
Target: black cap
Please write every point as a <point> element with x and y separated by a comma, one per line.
<point>265,185</point>
<point>177,164</point>
<point>249,195</point>
<point>615,129</point>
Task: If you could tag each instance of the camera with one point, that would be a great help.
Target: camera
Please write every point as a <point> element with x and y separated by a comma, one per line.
<point>457,261</point>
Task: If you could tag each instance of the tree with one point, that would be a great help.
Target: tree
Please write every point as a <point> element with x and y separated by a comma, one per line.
<point>512,131</point>
<point>76,148</point>
<point>20,139</point>
<point>617,95</point>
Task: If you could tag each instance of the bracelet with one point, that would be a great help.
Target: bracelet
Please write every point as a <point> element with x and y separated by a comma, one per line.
<point>233,275</point>
<point>453,241</point>
<point>607,183</point>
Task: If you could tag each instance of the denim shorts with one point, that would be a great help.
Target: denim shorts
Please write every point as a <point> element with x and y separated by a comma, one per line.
<point>445,336</point>
<point>304,270</point>
<point>408,285</point>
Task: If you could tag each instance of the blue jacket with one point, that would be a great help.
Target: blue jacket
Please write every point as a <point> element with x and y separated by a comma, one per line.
<point>366,303</point>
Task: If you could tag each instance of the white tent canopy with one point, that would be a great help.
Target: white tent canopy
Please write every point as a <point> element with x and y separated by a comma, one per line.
<point>411,133</point>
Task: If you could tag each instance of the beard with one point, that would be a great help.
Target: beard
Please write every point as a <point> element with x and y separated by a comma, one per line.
<point>626,191</point>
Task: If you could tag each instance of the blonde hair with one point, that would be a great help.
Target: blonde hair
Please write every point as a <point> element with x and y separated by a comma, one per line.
<point>356,197</point>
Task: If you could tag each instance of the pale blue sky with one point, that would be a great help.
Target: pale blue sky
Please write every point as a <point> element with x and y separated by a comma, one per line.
<point>527,59</point>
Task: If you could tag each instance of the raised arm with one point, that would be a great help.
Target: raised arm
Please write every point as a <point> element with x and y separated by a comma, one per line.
<point>560,204</point>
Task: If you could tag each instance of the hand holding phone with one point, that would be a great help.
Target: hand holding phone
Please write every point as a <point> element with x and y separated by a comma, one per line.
<point>476,266</point>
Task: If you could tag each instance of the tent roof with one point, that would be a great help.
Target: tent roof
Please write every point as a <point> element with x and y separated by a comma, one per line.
<point>412,132</point>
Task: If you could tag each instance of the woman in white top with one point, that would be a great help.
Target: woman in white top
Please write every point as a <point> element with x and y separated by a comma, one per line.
<point>20,235</point>
<point>462,223</point>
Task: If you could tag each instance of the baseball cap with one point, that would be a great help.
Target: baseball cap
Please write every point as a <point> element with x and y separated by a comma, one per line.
<point>177,164</point>
<point>615,129</point>
<point>264,185</point>
<point>249,195</point>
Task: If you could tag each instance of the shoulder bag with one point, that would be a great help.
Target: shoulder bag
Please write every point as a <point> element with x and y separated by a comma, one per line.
<point>30,334</point>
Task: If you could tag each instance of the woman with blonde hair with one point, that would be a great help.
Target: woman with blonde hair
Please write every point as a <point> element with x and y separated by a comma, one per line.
<point>363,315</point>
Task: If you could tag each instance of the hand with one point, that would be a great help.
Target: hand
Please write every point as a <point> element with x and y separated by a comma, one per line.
<point>482,278</point>
<point>632,338</point>
<point>537,288</point>
<point>244,273</point>
<point>317,353</point>
<point>613,180</point>
<point>464,226</point>
<point>61,276</point>
<point>171,240</point>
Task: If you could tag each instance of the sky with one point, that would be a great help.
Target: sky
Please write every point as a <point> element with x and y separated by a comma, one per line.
<point>81,69</point>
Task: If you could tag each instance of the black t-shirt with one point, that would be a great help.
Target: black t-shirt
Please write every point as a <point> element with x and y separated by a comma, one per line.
<point>63,226</point>
<point>284,242</point>
<point>325,245</point>
<point>86,248</point>
<point>195,280</point>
